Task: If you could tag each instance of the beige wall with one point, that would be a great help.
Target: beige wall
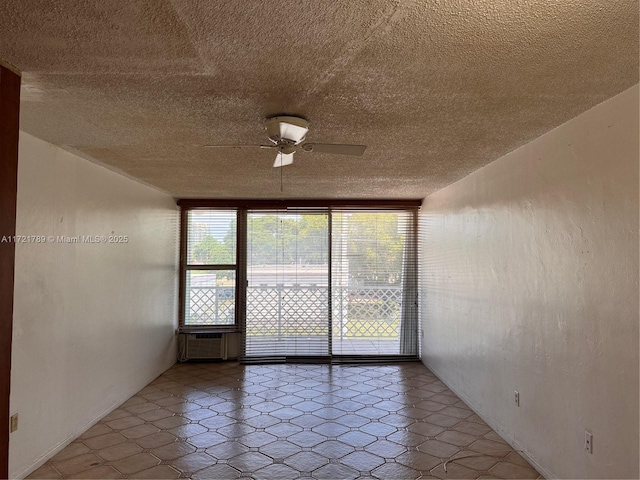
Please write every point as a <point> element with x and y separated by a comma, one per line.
<point>530,270</point>
<point>93,323</point>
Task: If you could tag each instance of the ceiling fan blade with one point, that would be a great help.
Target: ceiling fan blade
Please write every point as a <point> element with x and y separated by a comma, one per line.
<point>238,146</point>
<point>283,159</point>
<point>337,149</point>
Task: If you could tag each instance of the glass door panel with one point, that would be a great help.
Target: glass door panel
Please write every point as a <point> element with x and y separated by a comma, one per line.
<point>287,303</point>
<point>374,272</point>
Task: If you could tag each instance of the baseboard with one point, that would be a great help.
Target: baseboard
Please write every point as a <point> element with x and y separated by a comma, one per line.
<point>522,450</point>
<point>42,459</point>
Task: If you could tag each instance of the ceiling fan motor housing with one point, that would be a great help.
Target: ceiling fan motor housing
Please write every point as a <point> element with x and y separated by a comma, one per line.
<point>285,129</point>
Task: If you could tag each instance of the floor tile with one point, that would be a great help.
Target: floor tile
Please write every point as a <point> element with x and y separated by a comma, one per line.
<point>396,420</point>
<point>378,429</point>
<point>45,472</point>
<point>438,449</point>
<point>276,472</point>
<point>155,415</point>
<point>159,472</point>
<point>442,420</point>
<point>407,438</point>
<point>125,422</point>
<point>515,457</point>
<point>307,439</point>
<point>474,460</point>
<point>333,449</point>
<point>193,462</point>
<point>282,430</point>
<point>257,439</point>
<point>357,439</point>
<point>173,450</point>
<point>207,439</point>
<point>136,463</point>
<point>188,430</point>
<point>331,429</point>
<point>140,431</point>
<point>217,472</point>
<point>456,412</point>
<point>250,461</point>
<point>217,421</point>
<point>225,420</point>
<point>333,472</point>
<point>102,472</point>
<point>456,438</point>
<point>418,460</point>
<point>395,471</point>
<point>72,450</point>
<point>280,449</point>
<point>96,430</point>
<point>362,461</point>
<point>236,430</point>
<point>385,449</point>
<point>306,461</point>
<point>490,447</point>
<point>115,414</point>
<point>122,450</point>
<point>472,428</point>
<point>453,470</point>
<point>78,464</point>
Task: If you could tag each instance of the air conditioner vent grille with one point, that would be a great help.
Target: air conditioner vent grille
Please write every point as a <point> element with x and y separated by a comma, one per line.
<point>206,346</point>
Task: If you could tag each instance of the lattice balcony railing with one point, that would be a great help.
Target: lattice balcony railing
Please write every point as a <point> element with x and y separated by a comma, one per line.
<point>372,312</point>
<point>287,311</point>
<point>211,306</point>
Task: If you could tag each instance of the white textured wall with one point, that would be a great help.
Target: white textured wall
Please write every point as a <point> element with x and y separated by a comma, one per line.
<point>530,270</point>
<point>93,323</point>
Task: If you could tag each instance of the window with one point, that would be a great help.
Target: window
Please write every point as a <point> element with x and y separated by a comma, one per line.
<point>315,282</point>
<point>210,273</point>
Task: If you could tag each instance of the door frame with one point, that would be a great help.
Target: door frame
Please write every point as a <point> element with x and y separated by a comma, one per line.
<point>9,133</point>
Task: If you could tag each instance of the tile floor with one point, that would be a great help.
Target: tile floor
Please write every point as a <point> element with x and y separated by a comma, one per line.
<point>225,420</point>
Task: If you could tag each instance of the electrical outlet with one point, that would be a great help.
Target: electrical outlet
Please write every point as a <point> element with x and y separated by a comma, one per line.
<point>516,398</point>
<point>14,423</point>
<point>588,441</point>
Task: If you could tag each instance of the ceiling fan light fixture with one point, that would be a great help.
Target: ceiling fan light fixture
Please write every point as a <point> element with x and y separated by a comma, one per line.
<point>283,159</point>
<point>289,129</point>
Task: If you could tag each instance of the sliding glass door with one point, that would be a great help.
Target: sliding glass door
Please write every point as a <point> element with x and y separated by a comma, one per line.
<point>287,297</point>
<point>374,283</point>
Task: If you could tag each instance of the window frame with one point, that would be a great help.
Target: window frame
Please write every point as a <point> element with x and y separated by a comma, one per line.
<point>186,267</point>
<point>241,206</point>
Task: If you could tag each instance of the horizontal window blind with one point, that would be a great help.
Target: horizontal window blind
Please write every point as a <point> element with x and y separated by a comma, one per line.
<point>211,268</point>
<point>374,282</point>
<point>287,299</point>
<point>211,237</point>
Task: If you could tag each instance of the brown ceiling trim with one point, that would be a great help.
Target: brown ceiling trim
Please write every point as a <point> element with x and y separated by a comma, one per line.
<point>193,203</point>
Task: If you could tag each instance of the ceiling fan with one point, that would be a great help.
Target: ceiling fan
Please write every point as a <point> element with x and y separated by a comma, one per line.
<point>287,135</point>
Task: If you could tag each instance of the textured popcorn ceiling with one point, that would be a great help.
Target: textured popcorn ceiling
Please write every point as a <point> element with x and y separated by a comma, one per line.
<point>435,88</point>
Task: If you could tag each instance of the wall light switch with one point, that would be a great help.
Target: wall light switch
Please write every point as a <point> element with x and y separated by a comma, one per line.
<point>516,398</point>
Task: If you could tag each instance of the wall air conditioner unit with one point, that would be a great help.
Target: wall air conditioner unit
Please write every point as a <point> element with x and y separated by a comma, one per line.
<point>206,346</point>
